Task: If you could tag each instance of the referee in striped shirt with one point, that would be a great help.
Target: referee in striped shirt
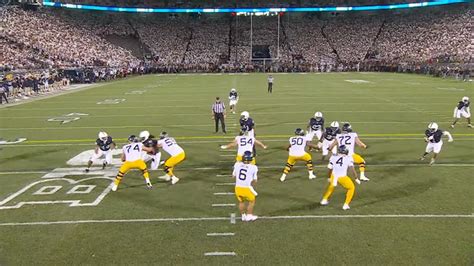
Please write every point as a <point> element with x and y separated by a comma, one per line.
<point>218,113</point>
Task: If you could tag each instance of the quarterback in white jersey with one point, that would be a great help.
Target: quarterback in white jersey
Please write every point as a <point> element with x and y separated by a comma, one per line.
<point>245,175</point>
<point>176,153</point>
<point>297,152</point>
<point>349,139</point>
<point>338,165</point>
<point>132,159</point>
<point>244,143</point>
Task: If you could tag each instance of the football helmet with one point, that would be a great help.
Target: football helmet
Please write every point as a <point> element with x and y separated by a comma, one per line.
<point>144,135</point>
<point>103,135</point>
<point>465,99</point>
<point>433,127</point>
<point>163,135</point>
<point>247,157</point>
<point>299,132</point>
<point>346,127</point>
<point>318,115</point>
<point>342,150</point>
<point>245,115</point>
<point>335,124</point>
<point>232,90</point>
<point>132,138</point>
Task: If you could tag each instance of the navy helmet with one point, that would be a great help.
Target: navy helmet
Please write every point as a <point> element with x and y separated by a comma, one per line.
<point>247,157</point>
<point>132,138</point>
<point>346,127</point>
<point>299,132</point>
<point>342,150</point>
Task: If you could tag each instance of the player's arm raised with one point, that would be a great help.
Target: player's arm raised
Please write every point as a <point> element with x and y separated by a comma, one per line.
<point>230,145</point>
<point>450,137</point>
<point>360,143</point>
<point>259,143</point>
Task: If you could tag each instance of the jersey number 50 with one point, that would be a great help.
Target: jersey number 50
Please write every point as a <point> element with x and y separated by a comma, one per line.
<point>297,141</point>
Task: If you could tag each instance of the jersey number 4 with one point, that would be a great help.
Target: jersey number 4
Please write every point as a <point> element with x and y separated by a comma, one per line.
<point>339,161</point>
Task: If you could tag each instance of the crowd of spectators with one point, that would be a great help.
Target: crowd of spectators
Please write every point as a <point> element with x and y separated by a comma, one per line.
<point>54,38</point>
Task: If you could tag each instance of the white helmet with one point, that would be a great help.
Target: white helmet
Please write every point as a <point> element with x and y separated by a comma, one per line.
<point>335,124</point>
<point>318,115</point>
<point>232,90</point>
<point>245,115</point>
<point>144,135</point>
<point>465,99</point>
<point>433,126</point>
<point>103,135</point>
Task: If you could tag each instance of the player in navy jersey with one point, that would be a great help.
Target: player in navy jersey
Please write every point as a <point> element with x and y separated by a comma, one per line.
<point>462,110</point>
<point>233,99</point>
<point>433,136</point>
<point>154,155</point>
<point>104,147</point>
<point>328,137</point>
<point>316,126</point>
<point>247,122</point>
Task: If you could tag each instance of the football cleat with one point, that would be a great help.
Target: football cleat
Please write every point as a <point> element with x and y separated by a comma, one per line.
<point>282,178</point>
<point>432,161</point>
<point>165,177</point>
<point>251,217</point>
<point>149,185</point>
<point>363,178</point>
<point>244,217</point>
<point>114,187</point>
<point>174,180</point>
<point>346,207</point>
<point>469,125</point>
<point>324,202</point>
<point>312,176</point>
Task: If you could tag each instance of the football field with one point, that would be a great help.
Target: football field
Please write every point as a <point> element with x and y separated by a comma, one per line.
<point>52,212</point>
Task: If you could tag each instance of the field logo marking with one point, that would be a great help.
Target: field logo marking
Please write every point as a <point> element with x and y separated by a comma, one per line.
<point>111,101</point>
<point>16,141</point>
<point>48,190</point>
<point>83,157</point>
<point>67,118</point>
<point>357,81</point>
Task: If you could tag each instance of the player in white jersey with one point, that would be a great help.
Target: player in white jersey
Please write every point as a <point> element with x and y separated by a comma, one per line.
<point>245,175</point>
<point>338,165</point>
<point>350,139</point>
<point>132,159</point>
<point>233,100</point>
<point>244,143</point>
<point>297,152</point>
<point>176,153</point>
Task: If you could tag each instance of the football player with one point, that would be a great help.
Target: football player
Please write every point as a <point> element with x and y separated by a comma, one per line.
<point>176,153</point>
<point>104,146</point>
<point>245,143</point>
<point>245,175</point>
<point>132,159</point>
<point>349,139</point>
<point>297,152</point>
<point>462,109</point>
<point>433,136</point>
<point>328,138</point>
<point>338,165</point>
<point>316,126</point>
<point>233,99</point>
<point>155,155</point>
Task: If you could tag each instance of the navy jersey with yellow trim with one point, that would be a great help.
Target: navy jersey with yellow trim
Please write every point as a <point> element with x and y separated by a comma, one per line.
<point>248,124</point>
<point>330,133</point>
<point>316,124</point>
<point>434,137</point>
<point>105,145</point>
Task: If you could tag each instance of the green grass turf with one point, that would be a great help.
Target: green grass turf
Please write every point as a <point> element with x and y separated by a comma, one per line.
<point>390,114</point>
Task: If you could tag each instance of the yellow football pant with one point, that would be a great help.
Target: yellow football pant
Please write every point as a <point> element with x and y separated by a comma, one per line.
<point>244,194</point>
<point>293,159</point>
<point>346,183</point>
<point>127,166</point>
<point>360,161</point>
<point>239,159</point>
<point>172,162</point>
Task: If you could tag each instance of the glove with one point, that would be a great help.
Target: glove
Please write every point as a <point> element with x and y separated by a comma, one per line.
<point>223,147</point>
<point>358,181</point>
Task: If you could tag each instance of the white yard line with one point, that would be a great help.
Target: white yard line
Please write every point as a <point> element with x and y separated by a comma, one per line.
<point>216,253</point>
<point>225,184</point>
<point>223,193</point>
<point>224,175</point>
<point>220,234</point>
<point>297,217</point>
